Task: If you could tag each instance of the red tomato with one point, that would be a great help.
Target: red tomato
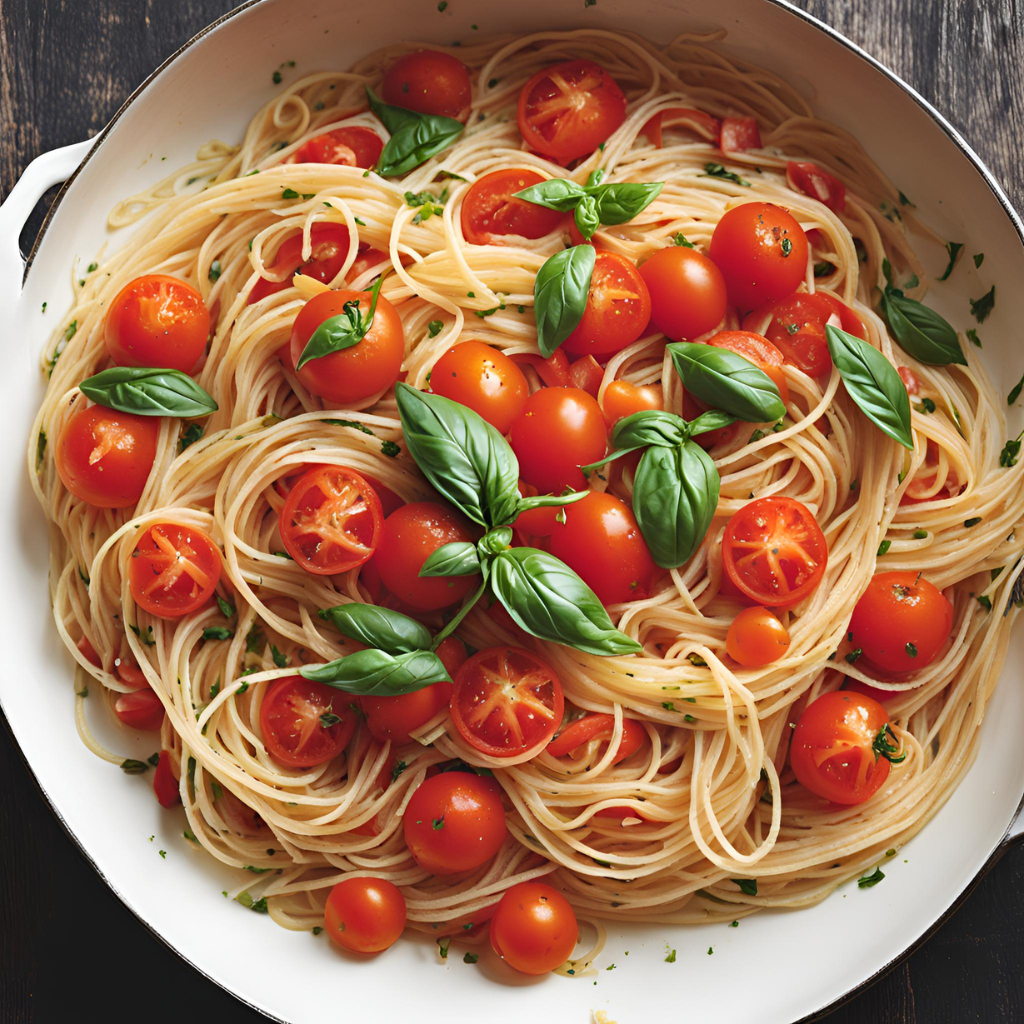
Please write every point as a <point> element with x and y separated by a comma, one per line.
<point>331,521</point>
<point>411,534</point>
<point>130,674</point>
<point>366,915</point>
<point>454,822</point>
<point>490,210</point>
<point>704,125</point>
<point>762,353</point>
<point>157,320</point>
<point>174,569</point>
<point>484,379</point>
<point>88,652</point>
<point>559,430</point>
<point>329,244</point>
<point>367,258</point>
<point>687,292</point>
<point>598,727</point>
<point>553,371</point>
<point>104,457</point>
<point>506,702</point>
<point>140,709</point>
<point>389,501</point>
<point>739,134</point>
<point>568,110</point>
<point>818,184</point>
<point>165,785</point>
<point>879,693</point>
<point>586,373</point>
<point>761,251</point>
<point>617,311</point>
<point>622,399</point>
<point>601,542</point>
<point>901,622</point>
<point>843,747</point>
<point>756,638</point>
<point>295,731</point>
<point>430,82</point>
<point>925,484</point>
<point>774,551</point>
<point>351,146</point>
<point>534,928</point>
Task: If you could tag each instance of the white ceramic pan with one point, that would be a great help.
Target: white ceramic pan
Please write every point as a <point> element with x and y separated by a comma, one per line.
<point>209,90</point>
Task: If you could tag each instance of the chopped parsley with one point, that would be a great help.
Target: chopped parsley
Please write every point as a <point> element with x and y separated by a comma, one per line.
<point>670,957</point>
<point>1011,451</point>
<point>217,633</point>
<point>927,405</point>
<point>911,649</point>
<point>40,449</point>
<point>435,327</point>
<point>854,654</point>
<point>227,609</point>
<point>748,886</point>
<point>280,660</point>
<point>399,767</point>
<point>869,880</point>
<point>972,335</point>
<point>390,449</point>
<point>973,521</point>
<point>920,534</point>
<point>953,249</point>
<point>215,270</point>
<point>980,308</point>
<point>979,258</point>
<point>718,171</point>
<point>883,548</point>
<point>680,239</point>
<point>354,424</point>
<point>471,958</point>
<point>132,767</point>
<point>192,433</point>
<point>1015,393</point>
<point>787,248</point>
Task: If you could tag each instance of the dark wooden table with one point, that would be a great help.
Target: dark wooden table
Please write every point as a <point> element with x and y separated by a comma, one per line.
<point>67,946</point>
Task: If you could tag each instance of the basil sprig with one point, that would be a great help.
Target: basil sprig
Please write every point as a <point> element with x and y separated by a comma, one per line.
<point>148,391</point>
<point>727,381</point>
<point>873,383</point>
<point>343,331</point>
<point>560,295</point>
<point>919,330</point>
<point>415,137</point>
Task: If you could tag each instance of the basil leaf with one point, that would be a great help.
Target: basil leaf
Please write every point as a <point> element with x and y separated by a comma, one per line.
<point>873,383</point>
<point>373,673</point>
<point>414,137</point>
<point>343,331</point>
<point>586,218</point>
<point>727,381</point>
<point>555,193</point>
<point>622,201</point>
<point>713,419</point>
<point>675,494</point>
<point>953,249</point>
<point>920,331</point>
<point>461,454</point>
<point>546,598</point>
<point>550,501</point>
<point>560,295</point>
<point>460,558</point>
<point>649,426</point>
<point>147,391</point>
<point>379,627</point>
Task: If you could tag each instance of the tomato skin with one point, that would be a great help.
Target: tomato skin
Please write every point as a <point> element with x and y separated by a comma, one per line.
<point>174,569</point>
<point>739,134</point>
<point>832,752</point>
<point>687,291</point>
<point>601,541</point>
<point>104,457</point>
<point>879,693</point>
<point>490,210</point>
<point>534,928</point>
<point>430,82</point>
<point>289,722</point>
<point>157,320</point>
<point>140,709</point>
<point>617,311</point>
<point>568,110</point>
<point>586,373</point>
<point>704,125</point>
<point>454,822</point>
<point>598,727</point>
<point>756,638</point>
<point>553,371</point>
<point>897,611</point>
<point>394,718</point>
<point>365,915</point>
<point>329,245</point>
<point>810,179</point>
<point>165,785</point>
<point>351,146</point>
<point>749,246</point>
<point>483,379</point>
<point>622,399</point>
<point>576,420</point>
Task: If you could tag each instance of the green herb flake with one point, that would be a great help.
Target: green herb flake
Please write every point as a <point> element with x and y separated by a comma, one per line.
<point>926,406</point>
<point>986,602</point>
<point>670,957</point>
<point>435,327</point>
<point>390,449</point>
<point>953,249</point>
<point>471,958</point>
<point>920,534</point>
<point>163,854</point>
<point>854,654</point>
<point>132,767</point>
<point>869,880</point>
<point>980,308</point>
<point>354,424</point>
<point>217,633</point>
<point>680,239</point>
<point>227,609</point>
<point>442,947</point>
<point>215,270</point>
<point>972,336</point>
<point>786,246</point>
<point>1015,393</point>
<point>317,929</point>
<point>40,450</point>
<point>718,171</point>
<point>911,649</point>
<point>190,836</point>
<point>979,258</point>
<point>438,823</point>
<point>1011,452</point>
<point>883,548</point>
<point>192,433</point>
<point>748,886</point>
<point>711,950</point>
<point>280,660</point>
<point>276,77</point>
<point>71,329</point>
<point>973,521</point>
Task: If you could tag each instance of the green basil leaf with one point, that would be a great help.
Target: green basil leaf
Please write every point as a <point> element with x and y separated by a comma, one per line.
<point>460,558</point>
<point>555,193</point>
<point>727,381</point>
<point>649,426</point>
<point>920,331</point>
<point>560,295</point>
<point>713,419</point>
<point>586,218</point>
<point>675,494</point>
<point>461,454</point>
<point>373,673</point>
<point>415,137</point>
<point>550,501</point>
<point>343,331</point>
<point>148,391</point>
<point>873,383</point>
<point>379,627</point>
<point>547,599</point>
<point>622,201</point>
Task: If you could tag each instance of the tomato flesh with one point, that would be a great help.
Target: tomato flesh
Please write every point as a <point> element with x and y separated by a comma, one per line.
<point>599,727</point>
<point>165,785</point>
<point>329,245</point>
<point>809,178</point>
<point>140,709</point>
<point>174,569</point>
<point>295,731</point>
<point>351,146</point>
<point>490,211</point>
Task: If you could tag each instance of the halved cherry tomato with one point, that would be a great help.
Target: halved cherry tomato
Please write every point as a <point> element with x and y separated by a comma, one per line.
<point>617,311</point>
<point>568,110</point>
<point>810,179</point>
<point>430,82</point>
<point>687,292</point>
<point>454,822</point>
<point>553,371</point>
<point>129,673</point>
<point>174,569</point>
<point>593,727</point>
<point>704,125</point>
<point>157,320</point>
<point>140,709</point>
<point>483,379</point>
<point>586,373</point>
<point>165,785</point>
<point>506,702</point>
<point>331,521</point>
<point>490,210</point>
<point>534,928</point>
<point>843,747</point>
<point>366,915</point>
<point>758,350</point>
<point>305,724</point>
<point>329,244</point>
<point>774,551</point>
<point>756,638</point>
<point>104,457</point>
<point>879,693</point>
<point>932,481</point>
<point>389,501</point>
<point>739,134</point>
<point>621,399</point>
<point>88,652</point>
<point>351,146</point>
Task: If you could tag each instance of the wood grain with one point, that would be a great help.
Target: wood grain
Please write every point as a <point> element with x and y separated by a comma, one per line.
<point>65,67</point>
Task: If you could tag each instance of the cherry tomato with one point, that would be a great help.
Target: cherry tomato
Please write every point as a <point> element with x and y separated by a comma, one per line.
<point>879,693</point>
<point>761,251</point>
<point>104,457</point>
<point>355,373</point>
<point>454,822</point>
<point>559,430</point>
<point>430,82</point>
<point>490,210</point>
<point>553,371</point>
<point>331,521</point>
<point>843,747</point>
<point>297,720</point>
<point>130,674</point>
<point>351,146</point>
<point>165,785</point>
<point>174,569</point>
<point>411,534</point>
<point>140,709</point>
<point>687,292</point>
<point>601,542</point>
<point>534,928</point>
<point>756,638</point>
<point>365,915</point>
<point>739,134</point>
<point>704,125</point>
<point>761,352</point>
<point>621,399</point>
<point>901,622</point>
<point>88,652</point>
<point>586,373</point>
<point>568,110</point>
<point>506,702</point>
<point>774,551</point>
<point>329,244</point>
<point>926,483</point>
<point>598,727</point>
<point>617,311</point>
<point>818,184</point>
<point>157,320</point>
<point>484,379</point>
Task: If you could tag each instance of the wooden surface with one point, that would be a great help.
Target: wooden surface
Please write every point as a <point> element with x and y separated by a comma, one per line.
<point>67,945</point>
